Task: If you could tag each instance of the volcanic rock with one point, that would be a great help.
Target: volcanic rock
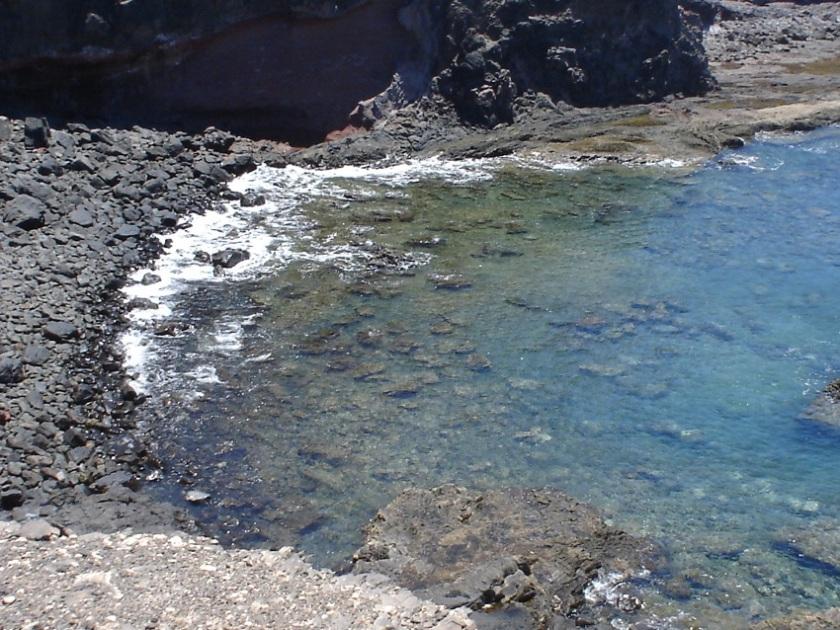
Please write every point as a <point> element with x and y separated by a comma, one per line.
<point>538,549</point>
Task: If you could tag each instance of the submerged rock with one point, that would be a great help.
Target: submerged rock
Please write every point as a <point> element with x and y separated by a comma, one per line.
<point>817,546</point>
<point>826,408</point>
<point>535,550</point>
<point>823,620</point>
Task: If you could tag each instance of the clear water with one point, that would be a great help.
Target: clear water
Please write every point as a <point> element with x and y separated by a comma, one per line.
<point>652,339</point>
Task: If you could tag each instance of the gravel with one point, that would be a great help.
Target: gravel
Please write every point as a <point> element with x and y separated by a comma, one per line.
<point>127,580</point>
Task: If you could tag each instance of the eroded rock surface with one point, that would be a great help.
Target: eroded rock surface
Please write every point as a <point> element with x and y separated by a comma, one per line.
<point>531,553</point>
<point>299,71</point>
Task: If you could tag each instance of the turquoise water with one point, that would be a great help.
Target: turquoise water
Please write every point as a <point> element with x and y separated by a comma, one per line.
<point>643,339</point>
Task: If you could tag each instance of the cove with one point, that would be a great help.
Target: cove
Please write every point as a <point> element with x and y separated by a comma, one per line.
<point>641,338</point>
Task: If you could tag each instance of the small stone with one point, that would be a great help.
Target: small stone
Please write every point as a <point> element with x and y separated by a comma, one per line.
<point>25,212</point>
<point>8,600</point>
<point>80,217</point>
<point>127,231</point>
<point>251,199</point>
<point>11,370</point>
<point>196,496</point>
<point>60,331</point>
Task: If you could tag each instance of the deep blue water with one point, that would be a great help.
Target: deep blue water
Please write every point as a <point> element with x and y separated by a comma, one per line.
<point>653,339</point>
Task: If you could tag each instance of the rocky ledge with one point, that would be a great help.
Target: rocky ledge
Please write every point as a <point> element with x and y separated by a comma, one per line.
<point>517,557</point>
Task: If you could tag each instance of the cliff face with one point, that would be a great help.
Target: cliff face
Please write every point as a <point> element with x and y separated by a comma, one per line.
<point>298,70</point>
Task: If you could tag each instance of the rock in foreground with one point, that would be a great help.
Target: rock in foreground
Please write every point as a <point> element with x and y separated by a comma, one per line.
<point>171,581</point>
<point>531,553</point>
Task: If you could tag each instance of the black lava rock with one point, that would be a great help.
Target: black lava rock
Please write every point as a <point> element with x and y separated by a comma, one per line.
<point>229,258</point>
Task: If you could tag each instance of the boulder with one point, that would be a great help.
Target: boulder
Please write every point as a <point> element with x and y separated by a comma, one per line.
<point>60,331</point>
<point>826,408</point>
<point>251,199</point>
<point>533,549</point>
<point>228,258</point>
<point>25,212</point>
<point>37,529</point>
<point>80,217</point>
<point>11,370</point>
<point>36,133</point>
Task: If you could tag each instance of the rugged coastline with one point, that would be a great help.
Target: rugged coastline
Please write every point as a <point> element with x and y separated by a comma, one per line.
<point>82,472</point>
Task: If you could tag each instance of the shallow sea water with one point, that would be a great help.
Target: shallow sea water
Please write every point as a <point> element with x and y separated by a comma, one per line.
<point>641,338</point>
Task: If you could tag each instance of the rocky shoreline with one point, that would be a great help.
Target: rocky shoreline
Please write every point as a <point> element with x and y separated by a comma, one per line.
<point>81,204</point>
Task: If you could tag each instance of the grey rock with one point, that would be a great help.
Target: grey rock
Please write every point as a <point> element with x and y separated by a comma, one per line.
<point>251,199</point>
<point>81,217</point>
<point>229,258</point>
<point>25,212</point>
<point>37,529</point>
<point>127,231</point>
<point>36,133</point>
<point>11,370</point>
<point>5,129</point>
<point>105,483</point>
<point>196,496</point>
<point>60,331</point>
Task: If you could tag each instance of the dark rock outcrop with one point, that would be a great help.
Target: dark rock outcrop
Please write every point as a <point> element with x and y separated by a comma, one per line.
<point>300,70</point>
<point>527,553</point>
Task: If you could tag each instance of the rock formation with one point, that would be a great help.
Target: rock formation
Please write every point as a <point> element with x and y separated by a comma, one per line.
<point>303,69</point>
<point>528,555</point>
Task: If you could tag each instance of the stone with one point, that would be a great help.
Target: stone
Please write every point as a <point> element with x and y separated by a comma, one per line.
<point>825,409</point>
<point>196,496</point>
<point>229,258</point>
<point>36,133</point>
<point>37,529</point>
<point>11,370</point>
<point>127,231</point>
<point>5,129</point>
<point>80,217</point>
<point>11,498</point>
<point>60,331</point>
<point>451,282</point>
<point>106,482</point>
<point>535,548</point>
<point>251,199</point>
<point>25,212</point>
<point>478,362</point>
